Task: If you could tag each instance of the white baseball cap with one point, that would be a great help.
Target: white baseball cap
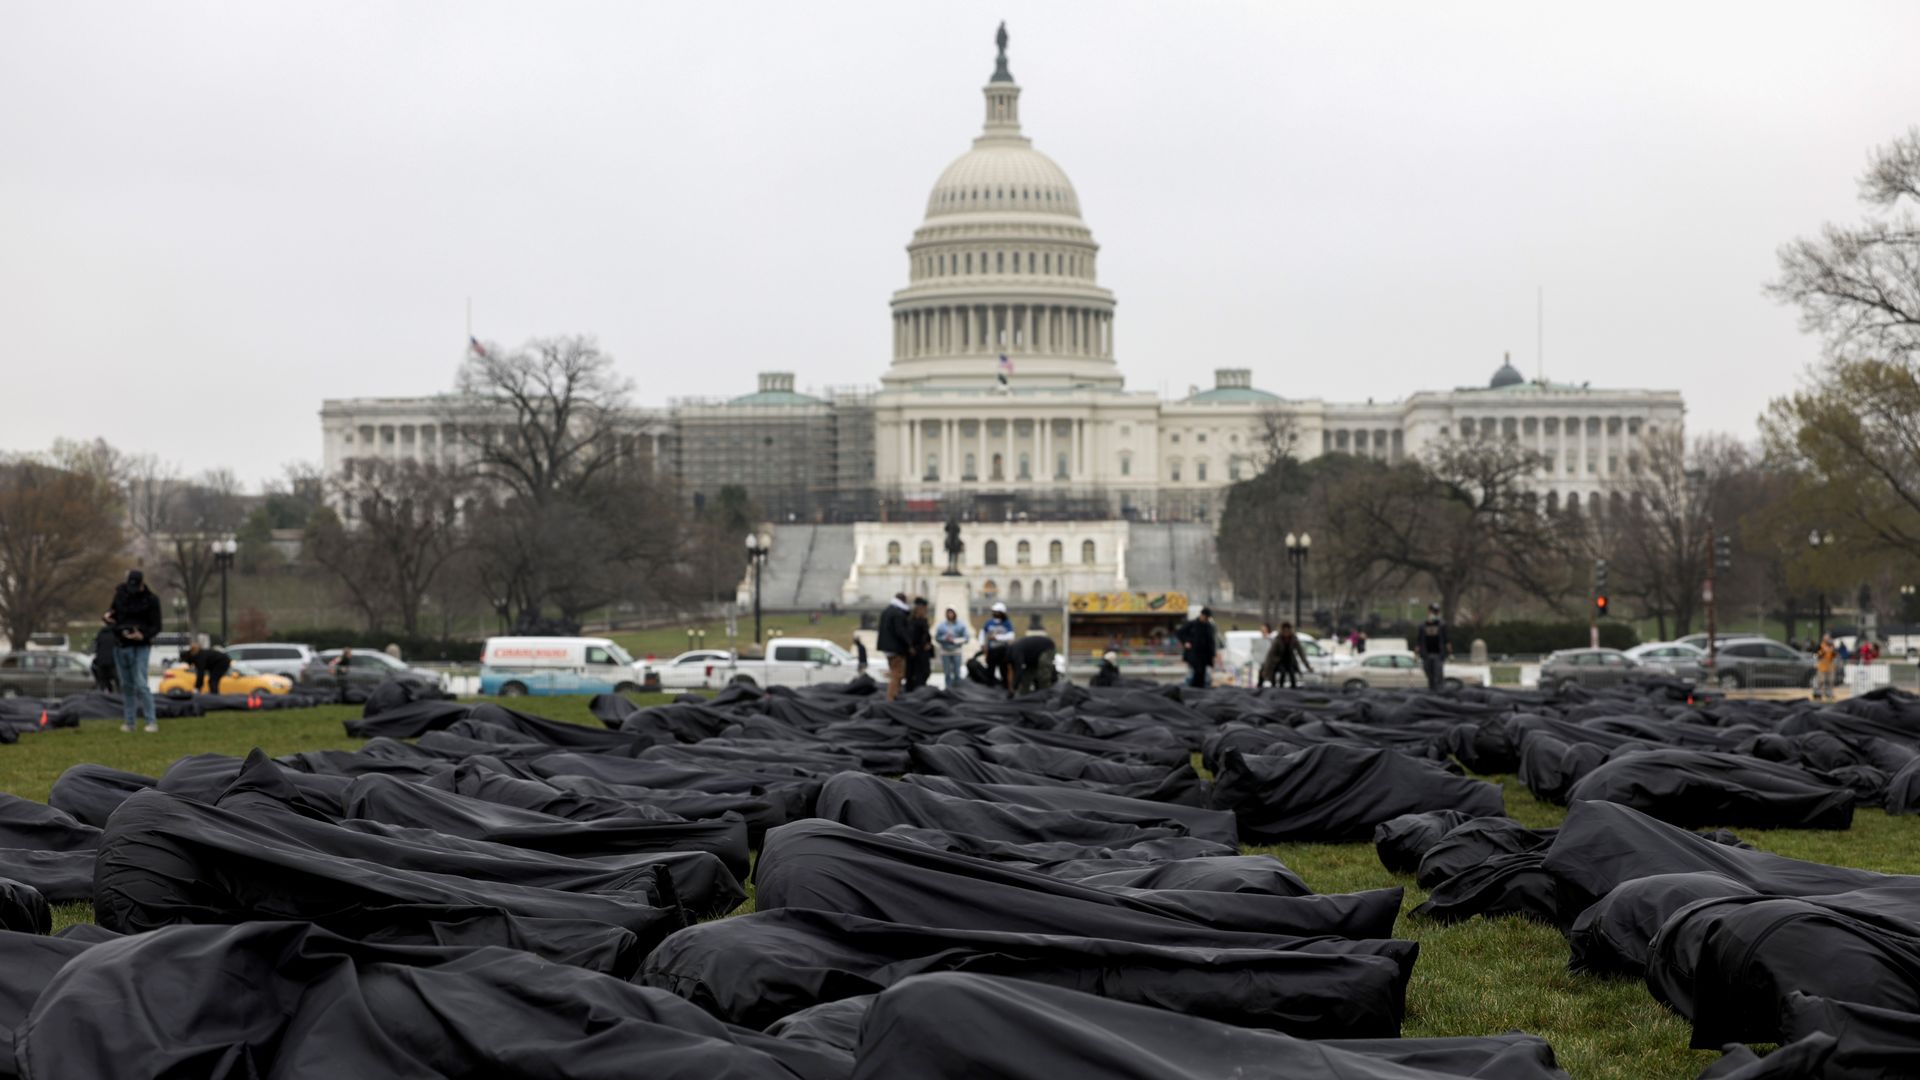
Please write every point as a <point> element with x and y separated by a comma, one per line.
<point>1002,608</point>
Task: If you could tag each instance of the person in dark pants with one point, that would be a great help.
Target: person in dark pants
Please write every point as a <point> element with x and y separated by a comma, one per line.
<point>919,645</point>
<point>1430,643</point>
<point>860,653</point>
<point>1199,647</point>
<point>1109,673</point>
<point>1285,658</point>
<point>1031,661</point>
<point>209,666</point>
<point>996,636</point>
<point>135,620</point>
<point>103,675</point>
<point>340,666</point>
<point>893,643</point>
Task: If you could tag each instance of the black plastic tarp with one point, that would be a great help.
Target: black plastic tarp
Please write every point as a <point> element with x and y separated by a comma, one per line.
<point>1337,793</point>
<point>931,1028</point>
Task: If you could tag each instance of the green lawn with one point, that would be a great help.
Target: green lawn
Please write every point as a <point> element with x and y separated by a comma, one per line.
<point>1480,977</point>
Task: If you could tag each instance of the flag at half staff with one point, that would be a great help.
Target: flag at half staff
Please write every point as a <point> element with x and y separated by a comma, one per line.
<point>479,350</point>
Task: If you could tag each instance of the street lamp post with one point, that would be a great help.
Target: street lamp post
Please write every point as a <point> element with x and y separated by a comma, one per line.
<point>1817,540</point>
<point>223,551</point>
<point>1297,547</point>
<point>758,545</point>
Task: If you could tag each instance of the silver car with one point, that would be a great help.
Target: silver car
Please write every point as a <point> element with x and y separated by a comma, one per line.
<point>274,659</point>
<point>1400,671</point>
<point>1590,668</point>
<point>1676,658</point>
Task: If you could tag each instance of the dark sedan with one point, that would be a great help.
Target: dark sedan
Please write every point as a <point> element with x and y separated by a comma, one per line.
<point>365,670</point>
<point>45,674</point>
<point>1591,668</point>
<point>1757,663</point>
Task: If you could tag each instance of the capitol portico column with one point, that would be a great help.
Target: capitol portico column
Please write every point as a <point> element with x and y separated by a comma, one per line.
<point>1043,440</point>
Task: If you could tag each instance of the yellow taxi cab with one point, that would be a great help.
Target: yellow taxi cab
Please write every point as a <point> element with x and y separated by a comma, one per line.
<point>239,679</point>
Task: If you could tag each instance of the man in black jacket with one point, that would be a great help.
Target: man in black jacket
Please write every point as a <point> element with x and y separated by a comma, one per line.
<point>209,666</point>
<point>1030,663</point>
<point>135,619</point>
<point>1199,647</point>
<point>895,643</point>
<point>103,675</point>
<point>1430,642</point>
<point>919,645</point>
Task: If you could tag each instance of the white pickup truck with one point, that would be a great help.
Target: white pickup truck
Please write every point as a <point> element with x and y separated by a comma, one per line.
<point>789,661</point>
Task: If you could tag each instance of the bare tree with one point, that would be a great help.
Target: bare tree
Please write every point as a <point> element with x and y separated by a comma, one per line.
<point>1464,518</point>
<point>60,541</point>
<point>176,522</point>
<point>407,530</point>
<point>543,420</point>
<point>1853,430</point>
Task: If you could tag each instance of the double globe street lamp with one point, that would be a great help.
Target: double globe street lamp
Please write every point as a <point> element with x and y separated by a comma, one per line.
<point>223,552</point>
<point>758,545</point>
<point>1817,540</point>
<point>1297,547</point>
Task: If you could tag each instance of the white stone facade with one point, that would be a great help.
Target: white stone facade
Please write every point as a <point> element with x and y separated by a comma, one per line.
<point>1004,265</point>
<point>1022,563</point>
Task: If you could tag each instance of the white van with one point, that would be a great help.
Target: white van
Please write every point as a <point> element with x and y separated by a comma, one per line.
<point>513,666</point>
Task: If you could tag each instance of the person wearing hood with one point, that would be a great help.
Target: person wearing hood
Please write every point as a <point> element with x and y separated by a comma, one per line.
<point>895,642</point>
<point>1430,642</point>
<point>997,635</point>
<point>1109,673</point>
<point>135,619</point>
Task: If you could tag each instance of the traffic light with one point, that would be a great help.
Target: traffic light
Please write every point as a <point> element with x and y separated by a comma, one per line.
<point>1723,553</point>
<point>1600,605</point>
<point>1599,576</point>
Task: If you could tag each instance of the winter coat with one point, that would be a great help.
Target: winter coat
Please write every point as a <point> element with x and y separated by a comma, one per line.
<point>136,610</point>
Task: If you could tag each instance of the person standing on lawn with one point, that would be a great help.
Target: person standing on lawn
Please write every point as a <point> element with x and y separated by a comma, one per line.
<point>1823,663</point>
<point>895,642</point>
<point>920,645</point>
<point>1199,647</point>
<point>1431,645</point>
<point>340,666</point>
<point>1285,657</point>
<point>135,619</point>
<point>952,636</point>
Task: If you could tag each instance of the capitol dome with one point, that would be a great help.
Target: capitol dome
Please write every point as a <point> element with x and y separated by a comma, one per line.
<point>1003,265</point>
<point>1003,175</point>
<point>1508,375</point>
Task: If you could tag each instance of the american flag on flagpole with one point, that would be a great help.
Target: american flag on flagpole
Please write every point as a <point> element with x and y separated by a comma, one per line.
<point>1006,369</point>
<point>474,344</point>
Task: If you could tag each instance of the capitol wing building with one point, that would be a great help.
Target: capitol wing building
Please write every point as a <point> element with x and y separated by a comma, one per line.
<point>1004,406</point>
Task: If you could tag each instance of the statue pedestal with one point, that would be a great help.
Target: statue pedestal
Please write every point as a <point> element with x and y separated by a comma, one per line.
<point>951,592</point>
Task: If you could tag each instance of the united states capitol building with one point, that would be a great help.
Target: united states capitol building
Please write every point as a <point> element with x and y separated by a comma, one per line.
<point>1004,406</point>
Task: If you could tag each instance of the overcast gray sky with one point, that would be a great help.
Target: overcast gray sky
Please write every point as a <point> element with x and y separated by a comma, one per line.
<point>213,216</point>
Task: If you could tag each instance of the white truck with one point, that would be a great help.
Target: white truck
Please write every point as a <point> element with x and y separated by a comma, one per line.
<point>789,661</point>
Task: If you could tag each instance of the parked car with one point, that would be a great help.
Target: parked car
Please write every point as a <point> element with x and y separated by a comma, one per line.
<point>1762,663</point>
<point>794,661</point>
<point>273,658</point>
<point>688,671</point>
<point>45,674</point>
<point>166,649</point>
<point>1396,670</point>
<point>513,666</point>
<point>1676,658</point>
<point>1591,668</point>
<point>240,679</point>
<point>1699,641</point>
<point>48,641</point>
<point>365,670</point>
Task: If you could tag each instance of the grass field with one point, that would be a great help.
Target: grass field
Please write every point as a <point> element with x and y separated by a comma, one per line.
<point>1480,977</point>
